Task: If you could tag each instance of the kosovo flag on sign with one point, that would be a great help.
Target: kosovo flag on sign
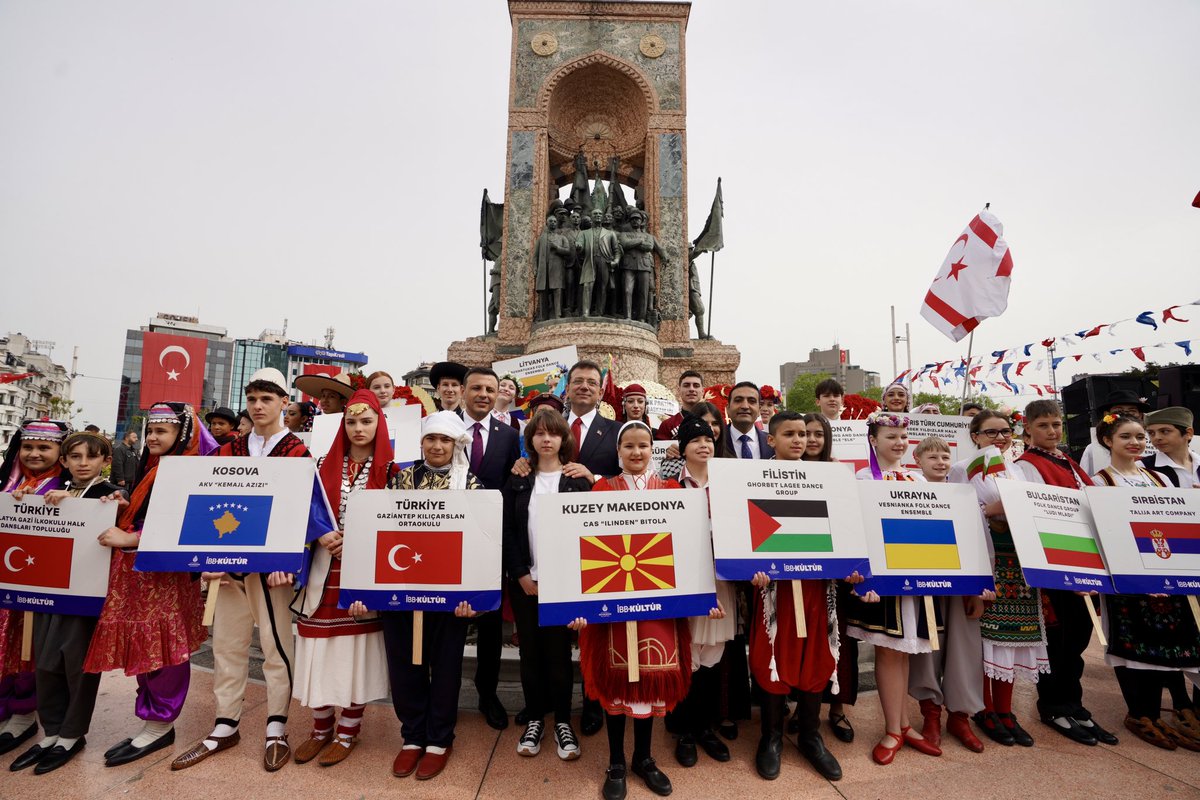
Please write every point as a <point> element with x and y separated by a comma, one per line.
<point>214,520</point>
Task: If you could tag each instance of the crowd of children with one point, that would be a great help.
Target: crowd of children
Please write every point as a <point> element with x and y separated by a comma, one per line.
<point>699,672</point>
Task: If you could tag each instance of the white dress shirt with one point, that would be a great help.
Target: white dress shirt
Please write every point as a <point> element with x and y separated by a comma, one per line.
<point>1186,480</point>
<point>485,425</point>
<point>259,446</point>
<point>586,420</point>
<point>737,442</point>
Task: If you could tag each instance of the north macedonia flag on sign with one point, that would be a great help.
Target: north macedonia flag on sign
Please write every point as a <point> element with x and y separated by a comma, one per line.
<point>626,563</point>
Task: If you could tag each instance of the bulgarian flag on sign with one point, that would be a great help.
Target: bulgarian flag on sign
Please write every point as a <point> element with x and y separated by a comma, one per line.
<point>973,282</point>
<point>988,462</point>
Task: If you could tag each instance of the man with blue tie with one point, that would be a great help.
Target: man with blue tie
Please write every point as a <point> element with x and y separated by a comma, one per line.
<point>745,439</point>
<point>494,448</point>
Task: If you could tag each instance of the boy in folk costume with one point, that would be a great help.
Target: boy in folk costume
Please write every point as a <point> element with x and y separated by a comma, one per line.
<point>66,694</point>
<point>1068,624</point>
<point>257,599</point>
<point>780,661</point>
<point>340,658</point>
<point>31,465</point>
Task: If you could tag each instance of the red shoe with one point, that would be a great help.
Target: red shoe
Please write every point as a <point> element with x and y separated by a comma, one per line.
<point>882,754</point>
<point>932,729</point>
<point>432,764</point>
<point>959,726</point>
<point>406,761</point>
<point>920,745</point>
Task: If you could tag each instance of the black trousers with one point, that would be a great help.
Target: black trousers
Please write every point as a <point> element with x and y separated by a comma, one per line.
<point>546,674</point>
<point>847,666</point>
<point>66,695</point>
<point>425,695</point>
<point>1060,693</point>
<point>489,642</point>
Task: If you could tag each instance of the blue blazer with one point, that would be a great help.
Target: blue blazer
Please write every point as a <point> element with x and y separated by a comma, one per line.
<point>598,451</point>
<point>735,447</point>
<point>503,450</point>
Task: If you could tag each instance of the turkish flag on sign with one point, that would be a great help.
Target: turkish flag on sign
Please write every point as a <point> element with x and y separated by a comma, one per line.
<point>172,368</point>
<point>37,561</point>
<point>419,557</point>
<point>973,282</point>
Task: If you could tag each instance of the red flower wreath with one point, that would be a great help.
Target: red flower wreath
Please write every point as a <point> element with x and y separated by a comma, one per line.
<point>855,406</point>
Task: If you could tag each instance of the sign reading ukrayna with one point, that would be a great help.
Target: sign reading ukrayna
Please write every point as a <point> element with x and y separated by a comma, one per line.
<point>228,514</point>
<point>789,519</point>
<point>1150,538</point>
<point>616,556</point>
<point>422,550</point>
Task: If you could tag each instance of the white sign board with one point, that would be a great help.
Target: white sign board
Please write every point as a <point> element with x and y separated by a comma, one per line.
<point>1151,538</point>
<point>544,372</point>
<point>1055,537</point>
<point>850,442</point>
<point>404,428</point>
<point>955,430</point>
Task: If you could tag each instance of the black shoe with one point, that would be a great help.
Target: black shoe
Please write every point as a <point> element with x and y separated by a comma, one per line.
<point>1019,734</point>
<point>494,712</point>
<point>130,753</point>
<point>28,758</point>
<point>813,749</point>
<point>57,756</point>
<point>592,718</point>
<point>768,757</point>
<point>656,781</point>
<point>728,729</point>
<point>9,742</point>
<point>614,783</point>
<point>1098,733</point>
<point>990,724</point>
<point>843,731</point>
<point>1074,731</point>
<point>522,717</point>
<point>685,751</point>
<point>715,748</point>
<point>112,751</point>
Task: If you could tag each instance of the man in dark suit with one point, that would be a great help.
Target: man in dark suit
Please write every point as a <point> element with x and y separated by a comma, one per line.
<point>745,440</point>
<point>494,448</point>
<point>595,436</point>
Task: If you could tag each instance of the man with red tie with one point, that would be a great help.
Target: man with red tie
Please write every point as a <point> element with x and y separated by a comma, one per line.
<point>494,448</point>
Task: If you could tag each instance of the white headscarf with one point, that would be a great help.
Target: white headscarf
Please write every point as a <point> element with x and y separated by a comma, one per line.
<point>447,423</point>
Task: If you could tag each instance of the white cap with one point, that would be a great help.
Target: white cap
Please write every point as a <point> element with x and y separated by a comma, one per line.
<point>271,375</point>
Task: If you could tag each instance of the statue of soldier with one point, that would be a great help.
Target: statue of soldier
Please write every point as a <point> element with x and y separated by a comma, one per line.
<point>695,301</point>
<point>493,308</point>
<point>599,255</point>
<point>637,267</point>
<point>570,228</point>
<point>550,257</point>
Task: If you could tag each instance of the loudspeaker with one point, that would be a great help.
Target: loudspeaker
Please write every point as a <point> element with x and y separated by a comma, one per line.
<point>1081,398</point>
<point>1179,386</point>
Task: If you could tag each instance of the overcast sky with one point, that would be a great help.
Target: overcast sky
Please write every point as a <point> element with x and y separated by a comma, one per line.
<point>323,162</point>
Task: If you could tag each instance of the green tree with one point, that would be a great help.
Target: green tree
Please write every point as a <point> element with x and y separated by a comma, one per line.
<point>801,397</point>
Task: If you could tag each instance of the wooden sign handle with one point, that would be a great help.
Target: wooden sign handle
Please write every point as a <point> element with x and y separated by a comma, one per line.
<point>631,651</point>
<point>418,647</point>
<point>210,604</point>
<point>798,609</point>
<point>1087,601</point>
<point>27,635</point>
<point>1195,604</point>
<point>931,623</point>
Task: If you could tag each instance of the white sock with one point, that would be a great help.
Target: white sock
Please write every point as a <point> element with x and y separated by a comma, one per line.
<point>1062,722</point>
<point>151,733</point>
<point>67,744</point>
<point>411,747</point>
<point>222,730</point>
<point>276,728</point>
<point>1087,723</point>
<point>18,723</point>
<point>48,742</point>
<point>437,751</point>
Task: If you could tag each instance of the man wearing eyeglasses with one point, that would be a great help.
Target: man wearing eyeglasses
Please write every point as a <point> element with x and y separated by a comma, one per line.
<point>595,436</point>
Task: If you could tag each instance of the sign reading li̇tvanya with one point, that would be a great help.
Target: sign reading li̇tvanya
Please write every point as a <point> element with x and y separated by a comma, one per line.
<point>50,560</point>
<point>542,372</point>
<point>618,556</point>
<point>422,550</point>
<point>924,539</point>
<point>1151,538</point>
<point>227,514</point>
<point>789,519</point>
<point>1055,537</point>
<point>956,431</point>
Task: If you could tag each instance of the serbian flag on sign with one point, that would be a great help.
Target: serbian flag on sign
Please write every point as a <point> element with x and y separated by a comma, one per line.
<point>172,368</point>
<point>973,282</point>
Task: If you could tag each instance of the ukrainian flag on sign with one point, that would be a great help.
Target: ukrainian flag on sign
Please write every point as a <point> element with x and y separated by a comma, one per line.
<point>920,544</point>
<point>212,520</point>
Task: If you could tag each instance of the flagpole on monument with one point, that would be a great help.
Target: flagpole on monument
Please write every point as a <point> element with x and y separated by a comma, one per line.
<point>712,275</point>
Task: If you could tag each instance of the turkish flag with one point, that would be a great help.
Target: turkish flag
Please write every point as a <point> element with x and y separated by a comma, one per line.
<point>172,368</point>
<point>973,281</point>
<point>318,369</point>
<point>419,557</point>
<point>37,561</point>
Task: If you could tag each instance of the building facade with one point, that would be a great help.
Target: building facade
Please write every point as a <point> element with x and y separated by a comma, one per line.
<point>834,361</point>
<point>47,393</point>
<point>303,359</point>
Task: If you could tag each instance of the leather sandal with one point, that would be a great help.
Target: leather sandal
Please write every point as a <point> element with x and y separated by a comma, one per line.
<point>338,751</point>
<point>1177,737</point>
<point>199,752</point>
<point>1145,729</point>
<point>312,746</point>
<point>278,753</point>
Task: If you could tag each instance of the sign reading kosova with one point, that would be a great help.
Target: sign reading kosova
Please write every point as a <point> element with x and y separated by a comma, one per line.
<point>226,513</point>
<point>422,550</point>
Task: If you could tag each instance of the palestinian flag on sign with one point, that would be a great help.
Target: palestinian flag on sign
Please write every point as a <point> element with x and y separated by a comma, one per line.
<point>1067,543</point>
<point>988,462</point>
<point>789,526</point>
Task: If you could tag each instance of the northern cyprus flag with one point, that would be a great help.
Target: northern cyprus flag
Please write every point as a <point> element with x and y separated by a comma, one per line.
<point>973,282</point>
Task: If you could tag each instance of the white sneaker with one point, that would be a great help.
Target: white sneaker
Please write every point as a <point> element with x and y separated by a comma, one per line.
<point>568,745</point>
<point>531,740</point>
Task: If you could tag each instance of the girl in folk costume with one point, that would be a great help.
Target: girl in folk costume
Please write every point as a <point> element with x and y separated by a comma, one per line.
<point>664,647</point>
<point>896,398</point>
<point>508,398</point>
<point>633,404</point>
<point>896,626</point>
<point>31,465</point>
<point>1068,623</point>
<point>696,713</point>
<point>1012,628</point>
<point>340,658</point>
<point>1152,639</point>
<point>152,621</point>
<point>547,676</point>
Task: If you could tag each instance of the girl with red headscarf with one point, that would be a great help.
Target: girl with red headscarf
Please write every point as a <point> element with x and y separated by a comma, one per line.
<point>340,658</point>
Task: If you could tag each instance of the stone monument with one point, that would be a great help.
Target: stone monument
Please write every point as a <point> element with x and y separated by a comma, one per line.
<point>597,91</point>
